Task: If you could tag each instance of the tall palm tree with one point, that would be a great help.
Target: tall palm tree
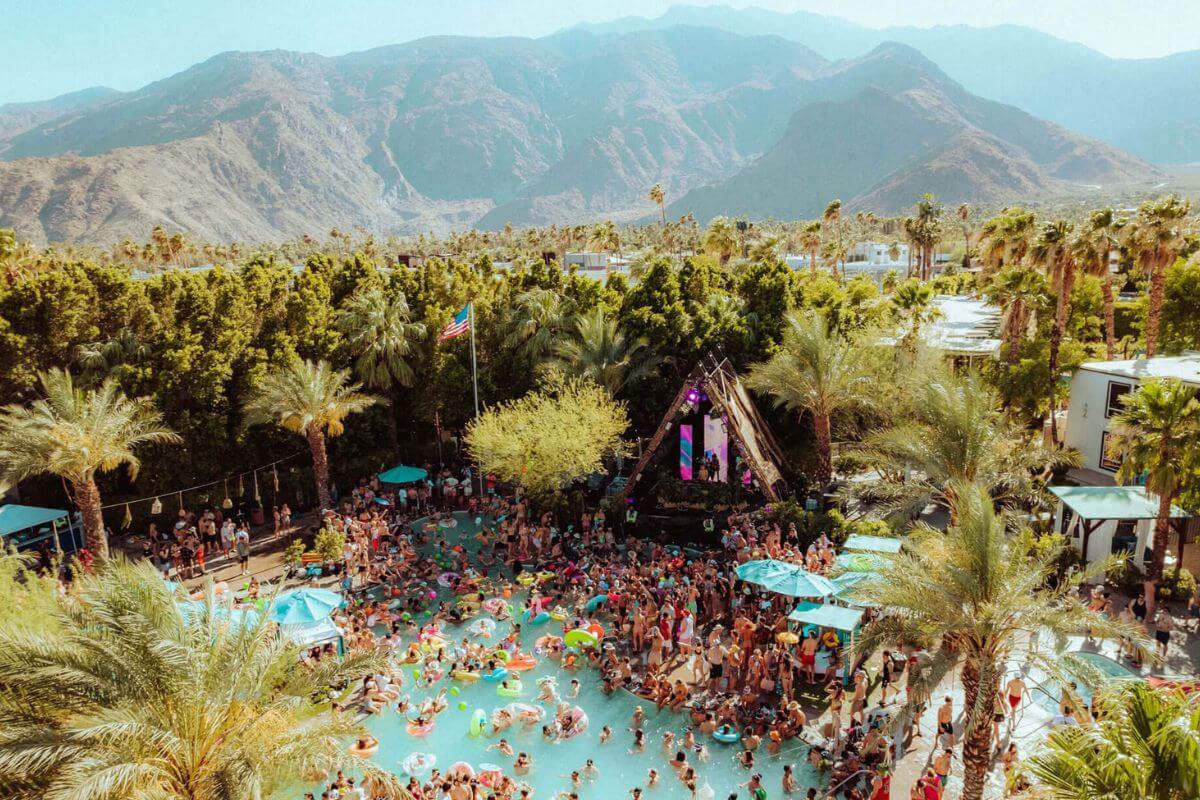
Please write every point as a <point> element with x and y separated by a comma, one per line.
<point>1004,239</point>
<point>124,696</point>
<point>1156,238</point>
<point>538,318</point>
<point>927,229</point>
<point>964,220</point>
<point>1022,293</point>
<point>1052,253</point>
<point>822,373</point>
<point>1144,748</point>
<point>598,349</point>
<point>973,593</point>
<point>657,195</point>
<point>1092,250</point>
<point>831,221</point>
<point>78,434</point>
<point>380,333</point>
<point>1158,436</point>
<point>953,431</point>
<point>311,399</point>
<point>810,241</point>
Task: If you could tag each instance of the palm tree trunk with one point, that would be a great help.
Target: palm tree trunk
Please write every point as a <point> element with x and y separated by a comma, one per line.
<point>1158,552</point>
<point>87,497</point>
<point>1056,335</point>
<point>824,437</point>
<point>1016,323</point>
<point>1110,317</point>
<point>812,262</point>
<point>1158,281</point>
<point>977,739</point>
<point>316,443</point>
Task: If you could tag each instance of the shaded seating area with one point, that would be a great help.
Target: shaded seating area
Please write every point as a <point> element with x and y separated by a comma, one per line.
<point>826,617</point>
<point>27,527</point>
<point>1102,520</point>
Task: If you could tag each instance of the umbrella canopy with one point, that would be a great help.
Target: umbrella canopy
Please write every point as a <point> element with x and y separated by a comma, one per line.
<point>759,572</point>
<point>844,587</point>
<point>303,606</point>
<point>402,474</point>
<point>799,582</point>
<point>859,562</point>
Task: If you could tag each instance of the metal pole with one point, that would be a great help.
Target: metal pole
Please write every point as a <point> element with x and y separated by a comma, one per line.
<point>57,543</point>
<point>475,381</point>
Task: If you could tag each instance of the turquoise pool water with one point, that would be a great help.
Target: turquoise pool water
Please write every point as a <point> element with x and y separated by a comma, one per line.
<point>619,769</point>
<point>1048,693</point>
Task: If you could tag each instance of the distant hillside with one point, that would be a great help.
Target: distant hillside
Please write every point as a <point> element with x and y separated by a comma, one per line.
<point>451,132</point>
<point>881,130</point>
<point>1150,107</point>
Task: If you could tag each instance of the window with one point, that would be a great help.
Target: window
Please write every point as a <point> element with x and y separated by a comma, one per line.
<point>1116,398</point>
<point>1110,458</point>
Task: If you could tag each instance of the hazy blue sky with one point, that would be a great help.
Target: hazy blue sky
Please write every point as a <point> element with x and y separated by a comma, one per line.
<point>57,46</point>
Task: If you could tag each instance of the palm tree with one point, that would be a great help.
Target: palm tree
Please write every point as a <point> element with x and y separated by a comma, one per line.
<point>1052,252</point>
<point>912,302</point>
<point>657,195</point>
<point>123,696</point>
<point>953,431</point>
<point>1158,436</point>
<point>1022,293</point>
<point>380,333</point>
<point>822,373</point>
<point>720,239</point>
<point>539,316</point>
<point>973,593</point>
<point>598,349</point>
<point>927,232</point>
<point>1092,250</point>
<point>313,400</point>
<point>964,220</point>
<point>1156,238</point>
<point>1144,748</point>
<point>1005,239</point>
<point>832,222</point>
<point>99,359</point>
<point>78,434</point>
<point>810,241</point>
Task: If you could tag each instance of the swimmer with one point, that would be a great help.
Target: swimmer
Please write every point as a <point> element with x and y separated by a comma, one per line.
<point>636,793</point>
<point>503,746</point>
<point>522,764</point>
<point>576,779</point>
<point>590,769</point>
<point>639,716</point>
<point>746,759</point>
<point>667,740</point>
<point>702,753</point>
<point>605,734</point>
<point>639,742</point>
<point>574,688</point>
<point>652,777</point>
<point>679,761</point>
<point>789,780</point>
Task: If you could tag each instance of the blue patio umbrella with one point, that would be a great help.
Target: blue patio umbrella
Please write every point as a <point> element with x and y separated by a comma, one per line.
<point>859,562</point>
<point>799,582</point>
<point>402,474</point>
<point>303,606</point>
<point>759,572</point>
<point>844,587</point>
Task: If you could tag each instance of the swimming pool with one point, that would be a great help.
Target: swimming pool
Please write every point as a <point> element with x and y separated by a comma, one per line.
<point>1047,693</point>
<point>619,769</point>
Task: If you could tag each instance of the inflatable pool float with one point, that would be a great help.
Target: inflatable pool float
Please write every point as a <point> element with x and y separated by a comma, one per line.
<point>447,579</point>
<point>596,630</point>
<point>478,723</point>
<point>500,654</point>
<point>578,637</point>
<point>496,675</point>
<point>493,605</point>
<point>545,576</point>
<point>595,603</point>
<point>579,723</point>
<point>482,627</point>
<point>525,579</point>
<point>417,764</point>
<point>434,644</point>
<point>559,614</point>
<point>449,523</point>
<point>548,642</point>
<point>526,712</point>
<point>460,769</point>
<point>522,661</point>
<point>489,774</point>
<point>434,675</point>
<point>510,688</point>
<point>727,734</point>
<point>419,730</point>
<point>536,619</point>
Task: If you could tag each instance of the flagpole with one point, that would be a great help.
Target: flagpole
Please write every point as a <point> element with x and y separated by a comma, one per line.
<point>475,381</point>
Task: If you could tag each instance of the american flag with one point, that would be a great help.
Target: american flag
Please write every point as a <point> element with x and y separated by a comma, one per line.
<point>458,326</point>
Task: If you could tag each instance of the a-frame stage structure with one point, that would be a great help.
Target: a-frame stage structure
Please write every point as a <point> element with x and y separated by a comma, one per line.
<point>746,428</point>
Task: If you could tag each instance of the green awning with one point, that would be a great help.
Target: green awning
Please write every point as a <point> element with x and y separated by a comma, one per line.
<point>1112,502</point>
<point>402,474</point>
<point>827,616</point>
<point>872,544</point>
<point>15,518</point>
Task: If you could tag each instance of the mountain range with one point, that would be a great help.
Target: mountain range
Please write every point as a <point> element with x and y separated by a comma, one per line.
<point>450,132</point>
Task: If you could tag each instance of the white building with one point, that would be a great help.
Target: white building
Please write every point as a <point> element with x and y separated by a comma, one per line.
<point>1096,391</point>
<point>879,253</point>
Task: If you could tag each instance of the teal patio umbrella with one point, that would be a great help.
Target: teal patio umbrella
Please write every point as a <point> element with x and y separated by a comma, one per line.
<point>304,606</point>
<point>799,582</point>
<point>859,562</point>
<point>759,572</point>
<point>402,474</point>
